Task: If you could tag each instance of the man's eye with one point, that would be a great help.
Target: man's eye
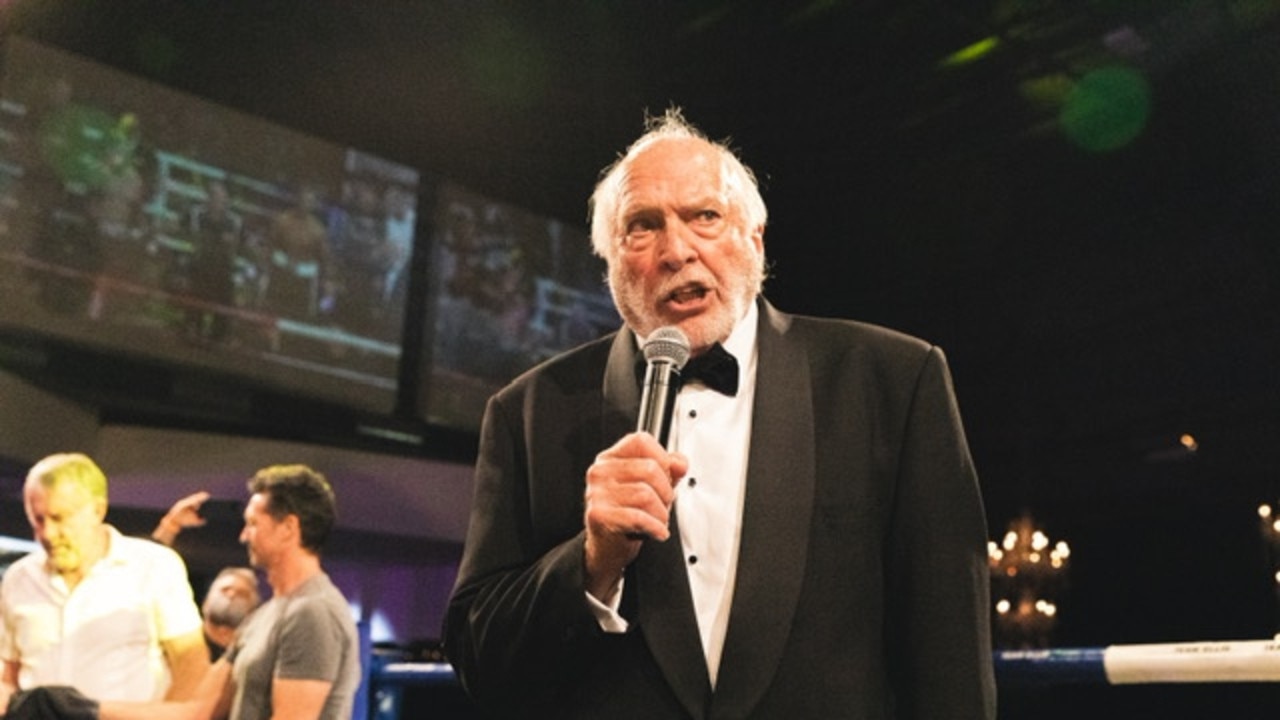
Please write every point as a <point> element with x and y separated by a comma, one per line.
<point>640,225</point>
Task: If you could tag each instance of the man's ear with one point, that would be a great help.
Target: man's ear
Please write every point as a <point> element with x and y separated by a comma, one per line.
<point>294,526</point>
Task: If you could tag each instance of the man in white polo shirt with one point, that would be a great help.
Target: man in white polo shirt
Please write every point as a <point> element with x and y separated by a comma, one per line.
<point>113,616</point>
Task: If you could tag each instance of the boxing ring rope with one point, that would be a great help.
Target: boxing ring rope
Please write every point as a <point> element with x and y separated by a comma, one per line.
<point>1228,661</point>
<point>1190,662</point>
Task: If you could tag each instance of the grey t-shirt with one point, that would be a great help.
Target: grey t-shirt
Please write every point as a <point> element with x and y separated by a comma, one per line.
<point>307,635</point>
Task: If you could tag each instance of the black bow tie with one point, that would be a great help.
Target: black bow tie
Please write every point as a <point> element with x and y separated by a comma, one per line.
<point>716,368</point>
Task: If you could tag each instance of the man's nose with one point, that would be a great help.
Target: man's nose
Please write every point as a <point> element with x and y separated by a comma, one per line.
<point>676,245</point>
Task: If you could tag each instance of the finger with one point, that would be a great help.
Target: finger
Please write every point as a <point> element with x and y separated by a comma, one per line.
<point>633,478</point>
<point>629,496</point>
<point>626,523</point>
<point>632,445</point>
<point>192,502</point>
<point>677,467</point>
<point>633,513</point>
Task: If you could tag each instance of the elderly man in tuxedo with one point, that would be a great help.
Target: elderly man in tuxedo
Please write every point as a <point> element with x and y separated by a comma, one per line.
<point>810,543</point>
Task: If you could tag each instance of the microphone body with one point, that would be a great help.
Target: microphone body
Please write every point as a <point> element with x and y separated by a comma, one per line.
<point>666,351</point>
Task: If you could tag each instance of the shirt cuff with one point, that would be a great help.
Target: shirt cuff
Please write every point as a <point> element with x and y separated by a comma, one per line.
<point>607,615</point>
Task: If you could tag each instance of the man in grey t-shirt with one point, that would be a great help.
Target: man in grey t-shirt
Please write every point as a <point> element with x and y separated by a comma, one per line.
<point>307,635</point>
<point>299,652</point>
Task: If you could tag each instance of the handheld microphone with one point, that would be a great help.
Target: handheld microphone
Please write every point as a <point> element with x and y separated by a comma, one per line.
<point>666,351</point>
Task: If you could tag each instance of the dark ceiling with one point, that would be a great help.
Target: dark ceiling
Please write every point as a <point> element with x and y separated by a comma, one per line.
<point>1096,302</point>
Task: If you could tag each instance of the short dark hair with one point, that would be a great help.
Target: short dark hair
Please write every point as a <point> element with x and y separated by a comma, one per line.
<point>298,490</point>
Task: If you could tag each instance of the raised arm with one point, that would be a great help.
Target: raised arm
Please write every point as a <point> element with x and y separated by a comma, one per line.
<point>185,513</point>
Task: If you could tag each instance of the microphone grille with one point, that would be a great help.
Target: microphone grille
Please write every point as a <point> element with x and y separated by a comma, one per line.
<point>667,344</point>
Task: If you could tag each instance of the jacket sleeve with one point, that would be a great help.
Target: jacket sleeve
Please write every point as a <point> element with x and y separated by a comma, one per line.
<point>937,571</point>
<point>518,629</point>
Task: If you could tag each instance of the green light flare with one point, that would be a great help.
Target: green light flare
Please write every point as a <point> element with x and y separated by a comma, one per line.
<point>1107,109</point>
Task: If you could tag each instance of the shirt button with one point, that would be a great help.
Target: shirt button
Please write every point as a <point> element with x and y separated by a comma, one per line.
<point>693,559</point>
<point>693,482</point>
<point>693,413</point>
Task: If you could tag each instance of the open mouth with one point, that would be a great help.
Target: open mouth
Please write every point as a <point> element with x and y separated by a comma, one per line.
<point>687,294</point>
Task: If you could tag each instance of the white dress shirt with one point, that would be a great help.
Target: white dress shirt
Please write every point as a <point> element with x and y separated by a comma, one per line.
<point>714,432</point>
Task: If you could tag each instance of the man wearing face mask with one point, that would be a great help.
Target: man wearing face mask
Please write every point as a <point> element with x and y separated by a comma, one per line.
<point>810,544</point>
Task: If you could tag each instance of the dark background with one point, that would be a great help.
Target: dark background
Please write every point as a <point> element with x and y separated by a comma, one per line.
<point>1095,304</point>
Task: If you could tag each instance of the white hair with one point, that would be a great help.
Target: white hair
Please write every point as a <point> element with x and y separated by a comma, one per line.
<point>740,182</point>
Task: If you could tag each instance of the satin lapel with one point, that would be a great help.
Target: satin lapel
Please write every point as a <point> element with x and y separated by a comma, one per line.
<point>775,521</point>
<point>665,615</point>
<point>619,392</point>
<point>663,603</point>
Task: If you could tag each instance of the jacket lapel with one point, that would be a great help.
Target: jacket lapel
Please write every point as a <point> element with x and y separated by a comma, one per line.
<point>666,618</point>
<point>656,581</point>
<point>775,521</point>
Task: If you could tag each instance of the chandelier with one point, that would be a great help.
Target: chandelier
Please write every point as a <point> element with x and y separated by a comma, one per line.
<point>1028,573</point>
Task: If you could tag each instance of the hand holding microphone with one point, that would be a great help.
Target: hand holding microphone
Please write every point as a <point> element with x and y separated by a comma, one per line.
<point>631,485</point>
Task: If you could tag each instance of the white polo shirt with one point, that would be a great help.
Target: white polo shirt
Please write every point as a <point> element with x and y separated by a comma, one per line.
<point>103,637</point>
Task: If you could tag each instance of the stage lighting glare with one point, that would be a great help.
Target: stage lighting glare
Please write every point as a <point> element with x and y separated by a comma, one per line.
<point>1107,109</point>
<point>1058,556</point>
<point>1048,92</point>
<point>971,53</point>
<point>994,552</point>
<point>1264,511</point>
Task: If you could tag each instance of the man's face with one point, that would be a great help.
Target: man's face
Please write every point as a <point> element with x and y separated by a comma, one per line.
<point>262,533</point>
<point>66,521</point>
<point>687,257</point>
<point>234,586</point>
<point>229,601</point>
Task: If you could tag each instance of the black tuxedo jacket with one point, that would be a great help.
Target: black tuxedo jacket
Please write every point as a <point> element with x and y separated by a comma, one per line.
<point>862,587</point>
